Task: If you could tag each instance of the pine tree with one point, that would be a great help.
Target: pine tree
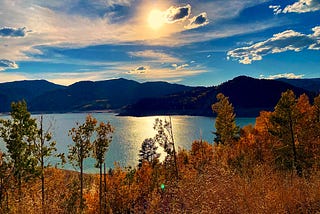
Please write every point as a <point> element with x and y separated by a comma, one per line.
<point>226,129</point>
<point>284,123</point>
<point>18,133</point>
<point>148,151</point>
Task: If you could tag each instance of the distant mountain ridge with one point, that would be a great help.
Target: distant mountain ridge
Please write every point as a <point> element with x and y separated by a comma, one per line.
<point>307,84</point>
<point>26,89</point>
<point>248,95</point>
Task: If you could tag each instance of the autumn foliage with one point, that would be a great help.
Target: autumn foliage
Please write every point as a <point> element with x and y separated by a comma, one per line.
<point>271,167</point>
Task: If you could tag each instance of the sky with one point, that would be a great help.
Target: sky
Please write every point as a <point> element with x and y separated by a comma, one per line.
<point>195,42</point>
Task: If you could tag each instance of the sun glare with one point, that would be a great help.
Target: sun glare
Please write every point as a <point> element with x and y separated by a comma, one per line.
<point>155,19</point>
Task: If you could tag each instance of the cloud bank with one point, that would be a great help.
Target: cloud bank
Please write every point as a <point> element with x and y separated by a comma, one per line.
<point>288,40</point>
<point>285,75</point>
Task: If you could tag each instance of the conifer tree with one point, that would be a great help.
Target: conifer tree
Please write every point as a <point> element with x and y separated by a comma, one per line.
<point>18,133</point>
<point>284,121</point>
<point>148,151</point>
<point>226,129</point>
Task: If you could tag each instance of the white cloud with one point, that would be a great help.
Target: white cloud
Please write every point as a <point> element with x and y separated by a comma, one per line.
<point>276,9</point>
<point>284,75</point>
<point>301,6</point>
<point>180,67</point>
<point>288,40</point>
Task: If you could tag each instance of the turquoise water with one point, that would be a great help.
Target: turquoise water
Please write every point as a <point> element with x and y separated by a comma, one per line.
<point>130,133</point>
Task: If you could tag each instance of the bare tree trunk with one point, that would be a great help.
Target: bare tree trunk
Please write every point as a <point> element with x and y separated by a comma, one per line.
<point>105,189</point>
<point>81,186</point>
<point>100,189</point>
<point>174,151</point>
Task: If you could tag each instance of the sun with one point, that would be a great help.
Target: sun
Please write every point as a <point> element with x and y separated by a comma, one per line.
<point>155,19</point>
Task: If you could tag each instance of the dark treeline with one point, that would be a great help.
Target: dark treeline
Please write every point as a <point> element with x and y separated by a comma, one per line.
<point>272,167</point>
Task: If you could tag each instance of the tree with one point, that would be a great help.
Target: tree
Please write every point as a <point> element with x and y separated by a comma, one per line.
<point>43,148</point>
<point>317,107</point>
<point>283,125</point>
<point>18,133</point>
<point>81,136</point>
<point>148,151</point>
<point>226,129</point>
<point>165,139</point>
<point>101,145</point>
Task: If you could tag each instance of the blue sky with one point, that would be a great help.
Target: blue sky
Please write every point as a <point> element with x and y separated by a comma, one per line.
<point>196,42</point>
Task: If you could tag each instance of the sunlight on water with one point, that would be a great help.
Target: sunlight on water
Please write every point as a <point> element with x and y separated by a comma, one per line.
<point>130,133</point>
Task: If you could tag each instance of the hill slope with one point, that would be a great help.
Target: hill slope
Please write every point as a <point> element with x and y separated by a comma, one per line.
<point>27,90</point>
<point>248,95</point>
<point>101,95</point>
<point>307,84</point>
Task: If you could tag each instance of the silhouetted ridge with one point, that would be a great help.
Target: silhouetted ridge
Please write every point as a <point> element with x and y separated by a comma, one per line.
<point>248,95</point>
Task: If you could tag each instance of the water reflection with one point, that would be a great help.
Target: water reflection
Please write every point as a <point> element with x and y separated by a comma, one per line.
<point>130,133</point>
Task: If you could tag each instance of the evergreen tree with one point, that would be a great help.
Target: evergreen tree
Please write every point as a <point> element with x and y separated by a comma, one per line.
<point>148,151</point>
<point>18,133</point>
<point>284,125</point>
<point>226,129</point>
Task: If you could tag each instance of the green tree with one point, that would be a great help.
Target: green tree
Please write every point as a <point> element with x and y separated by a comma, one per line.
<point>148,151</point>
<point>18,133</point>
<point>283,125</point>
<point>226,129</point>
<point>81,136</point>
<point>100,147</point>
<point>43,148</point>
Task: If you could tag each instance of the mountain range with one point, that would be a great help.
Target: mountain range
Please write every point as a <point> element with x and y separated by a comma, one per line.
<point>127,97</point>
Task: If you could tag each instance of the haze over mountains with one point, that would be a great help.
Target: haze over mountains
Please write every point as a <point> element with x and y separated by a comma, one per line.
<point>127,97</point>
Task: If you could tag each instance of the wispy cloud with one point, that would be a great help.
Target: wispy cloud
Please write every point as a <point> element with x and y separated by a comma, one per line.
<point>284,75</point>
<point>155,56</point>
<point>154,72</point>
<point>301,6</point>
<point>198,21</point>
<point>180,67</point>
<point>7,64</point>
<point>288,40</point>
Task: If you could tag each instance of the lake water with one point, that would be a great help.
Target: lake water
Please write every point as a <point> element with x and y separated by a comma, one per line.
<point>130,133</point>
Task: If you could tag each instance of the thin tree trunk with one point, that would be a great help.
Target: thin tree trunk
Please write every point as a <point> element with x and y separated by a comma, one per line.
<point>174,150</point>
<point>42,165</point>
<point>105,189</point>
<point>81,186</point>
<point>100,189</point>
<point>295,159</point>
